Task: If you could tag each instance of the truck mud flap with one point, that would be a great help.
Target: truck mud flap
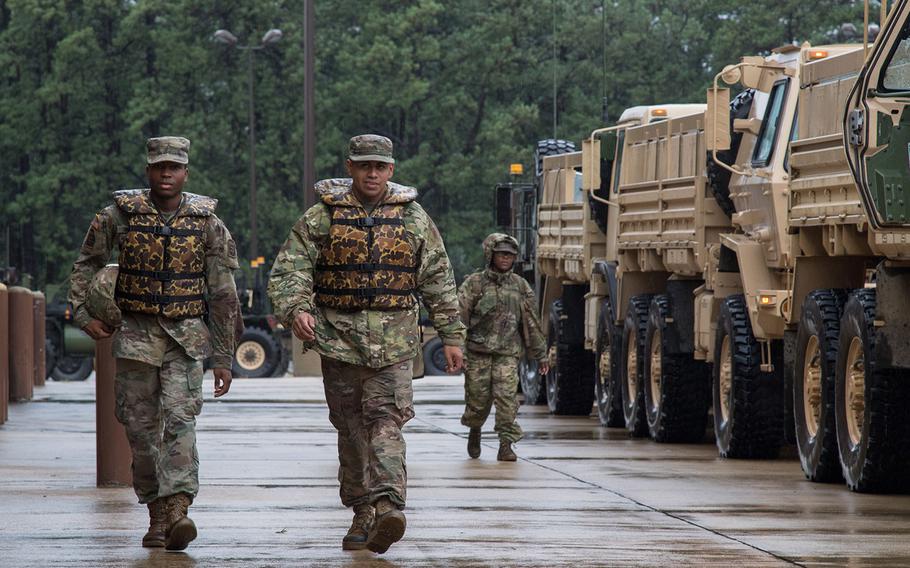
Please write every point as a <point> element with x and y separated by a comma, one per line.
<point>892,318</point>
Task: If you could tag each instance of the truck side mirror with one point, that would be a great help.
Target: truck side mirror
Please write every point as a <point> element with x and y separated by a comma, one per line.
<point>717,120</point>
<point>503,206</point>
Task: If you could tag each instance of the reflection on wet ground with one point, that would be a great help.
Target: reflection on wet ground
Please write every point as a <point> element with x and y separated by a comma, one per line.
<point>580,495</point>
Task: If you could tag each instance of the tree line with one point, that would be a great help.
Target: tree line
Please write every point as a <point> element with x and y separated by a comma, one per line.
<point>463,88</point>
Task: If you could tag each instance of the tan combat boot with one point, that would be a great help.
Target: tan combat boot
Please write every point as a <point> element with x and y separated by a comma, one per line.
<point>154,538</point>
<point>388,528</point>
<point>356,539</point>
<point>474,443</point>
<point>505,452</point>
<point>180,529</point>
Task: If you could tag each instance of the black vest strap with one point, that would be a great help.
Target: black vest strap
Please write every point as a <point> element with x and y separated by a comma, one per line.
<point>369,221</point>
<point>163,275</point>
<point>166,231</point>
<point>366,267</point>
<point>361,292</point>
<point>158,298</point>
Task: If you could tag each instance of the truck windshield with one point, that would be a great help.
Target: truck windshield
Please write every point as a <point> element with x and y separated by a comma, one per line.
<point>897,72</point>
<point>770,125</point>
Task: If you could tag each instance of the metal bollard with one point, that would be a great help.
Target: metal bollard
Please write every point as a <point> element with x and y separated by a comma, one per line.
<point>40,367</point>
<point>112,450</point>
<point>21,344</point>
<point>4,354</point>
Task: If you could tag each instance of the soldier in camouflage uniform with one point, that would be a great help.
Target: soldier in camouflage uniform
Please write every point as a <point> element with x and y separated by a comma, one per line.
<point>499,309</point>
<point>345,281</point>
<point>176,261</point>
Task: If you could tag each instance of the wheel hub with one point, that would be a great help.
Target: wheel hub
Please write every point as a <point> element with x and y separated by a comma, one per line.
<point>855,391</point>
<point>656,373</point>
<point>725,379</point>
<point>250,355</point>
<point>812,386</point>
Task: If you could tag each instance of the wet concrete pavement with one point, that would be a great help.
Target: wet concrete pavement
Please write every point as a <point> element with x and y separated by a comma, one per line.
<point>580,495</point>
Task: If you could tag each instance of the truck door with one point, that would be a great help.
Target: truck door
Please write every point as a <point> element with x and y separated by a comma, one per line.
<point>877,124</point>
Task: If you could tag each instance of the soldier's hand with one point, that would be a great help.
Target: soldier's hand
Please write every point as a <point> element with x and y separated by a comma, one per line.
<point>222,381</point>
<point>97,329</point>
<point>454,359</point>
<point>543,367</point>
<point>304,326</point>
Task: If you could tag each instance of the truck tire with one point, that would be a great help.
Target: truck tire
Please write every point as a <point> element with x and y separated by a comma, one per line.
<point>50,356</point>
<point>434,358</point>
<point>718,176</point>
<point>676,387</point>
<point>607,382</point>
<point>73,368</point>
<point>870,405</point>
<point>550,147</point>
<point>531,382</point>
<point>748,403</point>
<point>813,385</point>
<point>633,365</point>
<point>258,354</point>
<point>284,362</point>
<point>568,388</point>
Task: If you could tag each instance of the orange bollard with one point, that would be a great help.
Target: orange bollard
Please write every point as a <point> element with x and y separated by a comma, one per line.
<point>4,354</point>
<point>21,344</point>
<point>39,309</point>
<point>112,450</point>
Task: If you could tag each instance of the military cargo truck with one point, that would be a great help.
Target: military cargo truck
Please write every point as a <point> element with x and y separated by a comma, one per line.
<point>772,295</point>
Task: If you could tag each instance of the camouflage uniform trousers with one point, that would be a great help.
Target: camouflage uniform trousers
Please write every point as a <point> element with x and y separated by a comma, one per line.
<point>492,379</point>
<point>158,406</point>
<point>368,407</point>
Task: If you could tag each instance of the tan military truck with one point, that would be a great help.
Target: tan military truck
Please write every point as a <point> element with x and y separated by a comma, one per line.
<point>795,298</point>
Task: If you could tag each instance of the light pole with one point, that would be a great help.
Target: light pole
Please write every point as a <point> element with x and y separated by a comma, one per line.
<point>270,37</point>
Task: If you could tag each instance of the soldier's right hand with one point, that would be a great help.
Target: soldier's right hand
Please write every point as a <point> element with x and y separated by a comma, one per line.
<point>304,326</point>
<point>97,329</point>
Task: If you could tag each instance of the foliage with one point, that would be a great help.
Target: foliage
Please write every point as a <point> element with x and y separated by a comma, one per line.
<point>462,88</point>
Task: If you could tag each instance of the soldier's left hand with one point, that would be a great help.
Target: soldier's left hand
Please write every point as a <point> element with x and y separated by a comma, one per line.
<point>543,367</point>
<point>222,381</point>
<point>454,359</point>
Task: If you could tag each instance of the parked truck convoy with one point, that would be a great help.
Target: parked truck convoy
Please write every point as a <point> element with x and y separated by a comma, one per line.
<point>748,260</point>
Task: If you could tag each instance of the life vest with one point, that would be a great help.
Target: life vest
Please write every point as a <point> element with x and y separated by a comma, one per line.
<point>367,261</point>
<point>162,265</point>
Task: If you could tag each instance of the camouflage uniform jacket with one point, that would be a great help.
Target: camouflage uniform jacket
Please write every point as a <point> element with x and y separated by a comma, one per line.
<point>499,309</point>
<point>370,338</point>
<point>132,340</point>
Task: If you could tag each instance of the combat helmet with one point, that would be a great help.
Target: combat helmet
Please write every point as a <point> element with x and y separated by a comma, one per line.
<point>498,242</point>
<point>100,301</point>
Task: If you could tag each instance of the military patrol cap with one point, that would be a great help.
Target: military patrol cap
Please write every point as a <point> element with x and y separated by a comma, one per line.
<point>506,246</point>
<point>168,149</point>
<point>370,148</point>
<point>100,300</point>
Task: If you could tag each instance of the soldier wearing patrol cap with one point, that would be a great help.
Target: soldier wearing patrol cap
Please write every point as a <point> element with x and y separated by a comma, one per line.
<point>345,281</point>
<point>175,265</point>
<point>500,310</point>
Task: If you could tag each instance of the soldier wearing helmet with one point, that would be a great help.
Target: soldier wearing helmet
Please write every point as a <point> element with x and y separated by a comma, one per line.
<point>499,309</point>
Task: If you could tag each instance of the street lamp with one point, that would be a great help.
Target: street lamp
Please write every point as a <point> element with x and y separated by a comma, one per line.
<point>229,39</point>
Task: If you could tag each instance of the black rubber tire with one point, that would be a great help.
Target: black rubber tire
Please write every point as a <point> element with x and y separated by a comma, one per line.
<point>569,382</point>
<point>73,368</point>
<point>434,358</point>
<point>878,461</point>
<point>677,411</point>
<point>550,147</point>
<point>718,176</point>
<point>819,324</point>
<point>284,362</point>
<point>754,426</point>
<point>532,383</point>
<point>258,354</point>
<point>633,337</point>
<point>50,356</point>
<point>607,385</point>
